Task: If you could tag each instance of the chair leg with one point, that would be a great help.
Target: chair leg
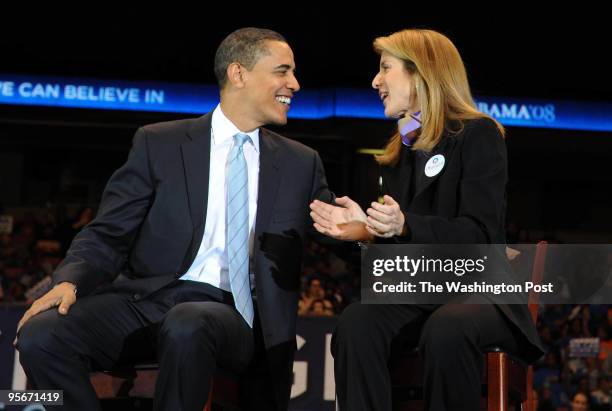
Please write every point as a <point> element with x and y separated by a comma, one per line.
<point>497,381</point>
<point>208,406</point>
<point>527,405</point>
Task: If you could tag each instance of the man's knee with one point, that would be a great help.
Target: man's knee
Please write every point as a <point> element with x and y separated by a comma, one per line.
<point>36,337</point>
<point>189,322</point>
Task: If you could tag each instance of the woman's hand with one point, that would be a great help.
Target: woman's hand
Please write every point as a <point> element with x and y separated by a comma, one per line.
<point>385,220</point>
<point>344,221</point>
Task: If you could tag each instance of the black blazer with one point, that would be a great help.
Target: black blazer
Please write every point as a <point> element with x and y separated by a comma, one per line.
<point>152,217</point>
<point>465,203</point>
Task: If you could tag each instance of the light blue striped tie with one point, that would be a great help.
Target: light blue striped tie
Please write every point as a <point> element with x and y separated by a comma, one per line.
<point>237,241</point>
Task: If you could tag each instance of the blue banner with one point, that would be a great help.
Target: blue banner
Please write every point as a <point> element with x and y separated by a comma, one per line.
<point>309,105</point>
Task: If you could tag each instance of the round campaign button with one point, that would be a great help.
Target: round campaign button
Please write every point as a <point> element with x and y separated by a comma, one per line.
<point>434,165</point>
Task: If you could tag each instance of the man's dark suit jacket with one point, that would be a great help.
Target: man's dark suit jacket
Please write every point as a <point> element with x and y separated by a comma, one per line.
<point>152,217</point>
<point>465,203</point>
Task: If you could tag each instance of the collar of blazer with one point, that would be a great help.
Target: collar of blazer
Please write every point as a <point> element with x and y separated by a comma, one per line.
<point>398,176</point>
<point>196,162</point>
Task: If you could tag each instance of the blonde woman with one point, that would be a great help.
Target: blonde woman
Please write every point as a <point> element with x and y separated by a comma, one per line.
<point>422,82</point>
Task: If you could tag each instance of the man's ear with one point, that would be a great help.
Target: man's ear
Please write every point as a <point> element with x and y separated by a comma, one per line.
<point>235,75</point>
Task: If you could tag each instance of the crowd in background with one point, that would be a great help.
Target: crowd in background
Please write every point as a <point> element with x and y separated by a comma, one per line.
<point>32,245</point>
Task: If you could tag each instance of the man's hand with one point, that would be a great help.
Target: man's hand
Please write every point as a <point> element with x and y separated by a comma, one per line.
<point>62,295</point>
<point>344,221</point>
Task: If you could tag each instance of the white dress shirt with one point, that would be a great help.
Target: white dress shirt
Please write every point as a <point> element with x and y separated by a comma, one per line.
<point>211,263</point>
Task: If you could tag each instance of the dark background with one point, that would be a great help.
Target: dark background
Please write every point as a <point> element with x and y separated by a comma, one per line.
<point>510,51</point>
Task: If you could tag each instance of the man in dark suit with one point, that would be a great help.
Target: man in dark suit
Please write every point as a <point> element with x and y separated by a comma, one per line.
<point>195,253</point>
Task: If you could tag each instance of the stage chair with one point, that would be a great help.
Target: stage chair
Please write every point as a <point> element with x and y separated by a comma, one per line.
<point>138,382</point>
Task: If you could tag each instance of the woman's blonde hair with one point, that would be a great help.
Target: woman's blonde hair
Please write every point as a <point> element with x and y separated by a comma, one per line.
<point>440,84</point>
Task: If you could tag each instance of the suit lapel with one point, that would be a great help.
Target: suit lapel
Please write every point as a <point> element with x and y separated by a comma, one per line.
<point>196,161</point>
<point>445,148</point>
<point>269,179</point>
<point>397,179</point>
